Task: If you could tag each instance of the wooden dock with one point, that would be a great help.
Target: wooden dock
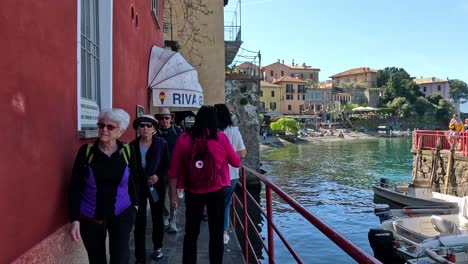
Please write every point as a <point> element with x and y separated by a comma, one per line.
<point>173,243</point>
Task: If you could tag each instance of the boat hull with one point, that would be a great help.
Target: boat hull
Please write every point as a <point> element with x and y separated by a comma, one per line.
<point>407,200</point>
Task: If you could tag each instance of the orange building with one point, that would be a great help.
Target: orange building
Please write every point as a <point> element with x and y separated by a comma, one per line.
<point>293,95</point>
<point>279,69</point>
<point>364,75</point>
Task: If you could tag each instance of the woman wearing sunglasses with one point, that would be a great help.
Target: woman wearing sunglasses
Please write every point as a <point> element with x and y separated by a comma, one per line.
<point>103,192</point>
<point>153,162</point>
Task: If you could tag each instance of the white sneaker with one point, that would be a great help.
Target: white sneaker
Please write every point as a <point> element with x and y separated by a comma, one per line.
<point>166,220</point>
<point>226,238</point>
<point>172,227</point>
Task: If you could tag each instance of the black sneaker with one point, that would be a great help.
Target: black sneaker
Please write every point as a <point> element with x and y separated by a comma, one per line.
<point>158,254</point>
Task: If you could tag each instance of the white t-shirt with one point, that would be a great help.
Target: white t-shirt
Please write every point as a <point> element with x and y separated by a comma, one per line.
<point>234,136</point>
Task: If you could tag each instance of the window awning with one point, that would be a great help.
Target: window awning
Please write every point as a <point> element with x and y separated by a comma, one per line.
<point>173,81</point>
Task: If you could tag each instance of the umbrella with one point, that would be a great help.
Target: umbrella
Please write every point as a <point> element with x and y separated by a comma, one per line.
<point>364,109</point>
<point>173,81</point>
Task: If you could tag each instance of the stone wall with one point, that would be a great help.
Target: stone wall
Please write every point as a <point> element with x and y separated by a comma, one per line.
<point>427,121</point>
<point>458,182</point>
<point>242,98</point>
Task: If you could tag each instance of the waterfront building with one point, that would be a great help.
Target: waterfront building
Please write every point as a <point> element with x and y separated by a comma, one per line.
<point>293,95</point>
<point>365,76</point>
<point>63,61</point>
<point>270,97</point>
<point>431,85</point>
<point>247,68</point>
<point>317,100</point>
<point>279,69</point>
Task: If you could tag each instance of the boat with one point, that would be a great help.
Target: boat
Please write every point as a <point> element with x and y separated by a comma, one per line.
<point>436,238</point>
<point>409,195</point>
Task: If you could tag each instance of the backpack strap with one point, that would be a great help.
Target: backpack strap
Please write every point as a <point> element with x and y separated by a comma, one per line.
<point>89,153</point>
<point>126,153</point>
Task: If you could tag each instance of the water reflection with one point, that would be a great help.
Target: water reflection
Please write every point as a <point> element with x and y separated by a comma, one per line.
<point>333,180</point>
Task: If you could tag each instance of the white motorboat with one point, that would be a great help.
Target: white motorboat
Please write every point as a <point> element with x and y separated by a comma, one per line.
<point>436,237</point>
<point>408,195</point>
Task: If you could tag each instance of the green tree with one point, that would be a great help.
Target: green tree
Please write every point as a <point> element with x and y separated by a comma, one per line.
<point>434,98</point>
<point>401,106</point>
<point>285,126</point>
<point>311,83</point>
<point>421,105</point>
<point>444,109</point>
<point>349,107</point>
<point>384,75</point>
<point>458,90</point>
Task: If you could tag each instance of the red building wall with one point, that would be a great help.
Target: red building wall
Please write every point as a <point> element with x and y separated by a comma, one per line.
<point>131,52</point>
<point>38,98</point>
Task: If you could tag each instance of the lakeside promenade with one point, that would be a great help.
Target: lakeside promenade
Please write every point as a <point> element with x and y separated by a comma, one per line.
<point>173,243</point>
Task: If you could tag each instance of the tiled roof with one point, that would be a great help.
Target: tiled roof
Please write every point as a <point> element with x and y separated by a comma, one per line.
<point>325,85</point>
<point>353,71</point>
<point>294,67</point>
<point>246,65</point>
<point>267,84</point>
<point>298,67</point>
<point>429,80</point>
<point>288,79</point>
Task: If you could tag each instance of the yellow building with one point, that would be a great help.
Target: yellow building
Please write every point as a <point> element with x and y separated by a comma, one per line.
<point>270,97</point>
<point>365,76</point>
<point>198,30</point>
<point>293,95</point>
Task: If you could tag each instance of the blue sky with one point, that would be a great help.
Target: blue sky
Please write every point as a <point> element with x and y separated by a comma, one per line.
<point>425,37</point>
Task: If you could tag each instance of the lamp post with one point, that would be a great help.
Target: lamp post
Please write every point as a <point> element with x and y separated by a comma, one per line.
<point>380,98</point>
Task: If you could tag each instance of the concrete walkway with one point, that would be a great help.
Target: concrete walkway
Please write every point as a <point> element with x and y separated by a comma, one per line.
<point>173,243</point>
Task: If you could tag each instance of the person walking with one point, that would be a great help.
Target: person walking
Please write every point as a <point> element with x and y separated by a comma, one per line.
<point>226,125</point>
<point>153,163</point>
<point>103,191</point>
<point>200,166</point>
<point>169,132</point>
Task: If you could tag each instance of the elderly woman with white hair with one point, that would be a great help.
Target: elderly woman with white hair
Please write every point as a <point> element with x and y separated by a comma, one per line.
<point>103,191</point>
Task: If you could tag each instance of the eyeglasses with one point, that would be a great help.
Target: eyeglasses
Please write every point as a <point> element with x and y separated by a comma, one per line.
<point>164,117</point>
<point>109,127</point>
<point>145,125</point>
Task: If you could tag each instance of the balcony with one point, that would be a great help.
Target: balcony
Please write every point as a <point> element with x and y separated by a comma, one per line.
<point>232,31</point>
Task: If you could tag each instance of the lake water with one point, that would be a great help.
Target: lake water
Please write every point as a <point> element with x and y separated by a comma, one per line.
<point>333,181</point>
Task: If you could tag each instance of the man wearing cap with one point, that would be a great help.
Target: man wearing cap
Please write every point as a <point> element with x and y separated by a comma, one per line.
<point>169,132</point>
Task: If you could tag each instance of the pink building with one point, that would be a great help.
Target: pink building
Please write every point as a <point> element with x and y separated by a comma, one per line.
<point>293,95</point>
<point>431,85</point>
<point>279,69</point>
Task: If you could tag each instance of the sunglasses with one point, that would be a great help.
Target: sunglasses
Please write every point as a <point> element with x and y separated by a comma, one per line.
<point>145,125</point>
<point>109,127</point>
<point>164,118</point>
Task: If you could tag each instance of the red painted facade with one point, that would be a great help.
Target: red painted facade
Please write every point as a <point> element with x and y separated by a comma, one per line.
<point>38,106</point>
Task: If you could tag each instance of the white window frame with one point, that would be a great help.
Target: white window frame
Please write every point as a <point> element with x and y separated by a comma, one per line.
<point>105,59</point>
<point>155,11</point>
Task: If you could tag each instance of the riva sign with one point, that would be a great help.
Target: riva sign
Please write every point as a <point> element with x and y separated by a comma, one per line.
<point>177,98</point>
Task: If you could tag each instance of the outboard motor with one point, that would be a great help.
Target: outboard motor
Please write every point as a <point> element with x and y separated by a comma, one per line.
<point>383,212</point>
<point>381,242</point>
<point>384,182</point>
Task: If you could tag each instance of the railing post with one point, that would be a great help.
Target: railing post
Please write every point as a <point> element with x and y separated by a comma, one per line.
<point>246,227</point>
<point>271,244</point>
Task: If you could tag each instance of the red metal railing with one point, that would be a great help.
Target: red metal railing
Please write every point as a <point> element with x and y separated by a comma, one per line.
<point>247,224</point>
<point>427,139</point>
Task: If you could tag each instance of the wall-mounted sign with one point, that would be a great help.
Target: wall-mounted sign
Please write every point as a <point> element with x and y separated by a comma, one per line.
<point>177,98</point>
